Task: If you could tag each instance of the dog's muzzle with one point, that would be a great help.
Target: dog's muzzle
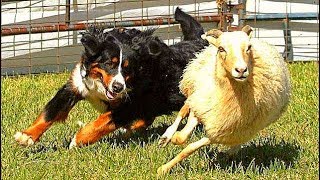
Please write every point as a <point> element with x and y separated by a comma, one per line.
<point>116,88</point>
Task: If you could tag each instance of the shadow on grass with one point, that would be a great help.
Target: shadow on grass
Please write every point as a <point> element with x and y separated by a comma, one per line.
<point>141,138</point>
<point>264,154</point>
<point>47,147</point>
<point>115,139</point>
<point>256,156</point>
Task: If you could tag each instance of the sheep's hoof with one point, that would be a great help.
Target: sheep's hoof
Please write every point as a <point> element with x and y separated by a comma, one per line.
<point>162,170</point>
<point>178,139</point>
<point>23,139</point>
<point>81,124</point>
<point>163,141</point>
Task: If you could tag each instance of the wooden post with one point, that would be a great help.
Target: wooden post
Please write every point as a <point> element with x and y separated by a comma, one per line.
<point>288,50</point>
<point>222,10</point>
<point>75,33</point>
<point>242,13</point>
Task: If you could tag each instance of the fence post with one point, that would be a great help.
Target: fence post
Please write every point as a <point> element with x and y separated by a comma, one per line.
<point>242,12</point>
<point>222,14</point>
<point>67,17</point>
<point>288,50</point>
<point>75,32</point>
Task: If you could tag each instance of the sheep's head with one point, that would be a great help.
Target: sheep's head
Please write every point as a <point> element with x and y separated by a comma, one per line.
<point>233,51</point>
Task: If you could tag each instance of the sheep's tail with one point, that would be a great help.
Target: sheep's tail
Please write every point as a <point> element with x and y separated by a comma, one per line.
<point>191,29</point>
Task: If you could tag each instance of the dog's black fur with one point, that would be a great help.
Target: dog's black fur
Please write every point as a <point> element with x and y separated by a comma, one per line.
<point>156,85</point>
<point>150,70</point>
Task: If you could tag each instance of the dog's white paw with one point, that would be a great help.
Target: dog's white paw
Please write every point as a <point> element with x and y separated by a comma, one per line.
<point>73,143</point>
<point>81,124</point>
<point>23,139</point>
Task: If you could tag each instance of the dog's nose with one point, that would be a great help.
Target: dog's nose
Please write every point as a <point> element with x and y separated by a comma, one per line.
<point>117,87</point>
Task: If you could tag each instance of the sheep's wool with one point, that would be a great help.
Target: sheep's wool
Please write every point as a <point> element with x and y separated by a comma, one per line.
<point>234,112</point>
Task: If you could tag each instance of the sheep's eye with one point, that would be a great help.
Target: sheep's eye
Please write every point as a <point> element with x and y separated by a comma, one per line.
<point>249,48</point>
<point>221,49</point>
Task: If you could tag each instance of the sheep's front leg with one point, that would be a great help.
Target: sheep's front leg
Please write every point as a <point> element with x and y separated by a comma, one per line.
<point>166,137</point>
<point>191,148</point>
<point>181,137</point>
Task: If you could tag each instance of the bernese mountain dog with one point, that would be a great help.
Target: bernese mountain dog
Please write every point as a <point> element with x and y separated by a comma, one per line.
<point>129,75</point>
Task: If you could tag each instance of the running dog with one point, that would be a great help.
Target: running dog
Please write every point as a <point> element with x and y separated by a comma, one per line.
<point>130,76</point>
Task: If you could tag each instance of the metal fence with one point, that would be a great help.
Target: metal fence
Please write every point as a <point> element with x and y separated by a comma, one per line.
<point>43,36</point>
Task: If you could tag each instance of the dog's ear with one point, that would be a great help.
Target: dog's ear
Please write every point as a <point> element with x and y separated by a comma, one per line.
<point>90,43</point>
<point>95,30</point>
<point>154,48</point>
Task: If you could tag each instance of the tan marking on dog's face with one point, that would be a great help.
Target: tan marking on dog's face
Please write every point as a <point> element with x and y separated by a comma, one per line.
<point>115,60</point>
<point>127,77</point>
<point>125,63</point>
<point>98,73</point>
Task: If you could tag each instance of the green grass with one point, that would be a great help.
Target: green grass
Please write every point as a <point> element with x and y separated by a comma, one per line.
<point>288,149</point>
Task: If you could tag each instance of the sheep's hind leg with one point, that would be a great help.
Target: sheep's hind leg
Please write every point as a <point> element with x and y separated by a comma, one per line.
<point>166,137</point>
<point>180,137</point>
<point>191,148</point>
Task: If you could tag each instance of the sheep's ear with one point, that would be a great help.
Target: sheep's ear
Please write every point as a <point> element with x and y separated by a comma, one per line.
<point>210,39</point>
<point>212,36</point>
<point>214,32</point>
<point>248,30</point>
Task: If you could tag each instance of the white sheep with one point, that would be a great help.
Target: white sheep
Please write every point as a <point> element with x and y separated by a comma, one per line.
<point>235,87</point>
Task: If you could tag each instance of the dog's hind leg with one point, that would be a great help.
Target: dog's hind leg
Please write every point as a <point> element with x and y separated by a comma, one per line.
<point>138,125</point>
<point>57,109</point>
<point>166,137</point>
<point>94,131</point>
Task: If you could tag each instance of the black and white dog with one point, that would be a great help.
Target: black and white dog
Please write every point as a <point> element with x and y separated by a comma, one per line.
<point>130,76</point>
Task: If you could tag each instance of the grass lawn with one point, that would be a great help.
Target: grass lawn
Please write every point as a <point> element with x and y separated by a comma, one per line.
<point>288,149</point>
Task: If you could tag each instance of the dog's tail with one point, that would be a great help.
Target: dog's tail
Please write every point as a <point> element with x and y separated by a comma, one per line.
<point>191,29</point>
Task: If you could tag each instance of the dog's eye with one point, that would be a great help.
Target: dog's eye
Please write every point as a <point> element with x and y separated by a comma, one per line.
<point>100,77</point>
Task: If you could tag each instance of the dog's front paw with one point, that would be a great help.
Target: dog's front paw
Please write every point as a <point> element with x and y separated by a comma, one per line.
<point>73,143</point>
<point>23,139</point>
